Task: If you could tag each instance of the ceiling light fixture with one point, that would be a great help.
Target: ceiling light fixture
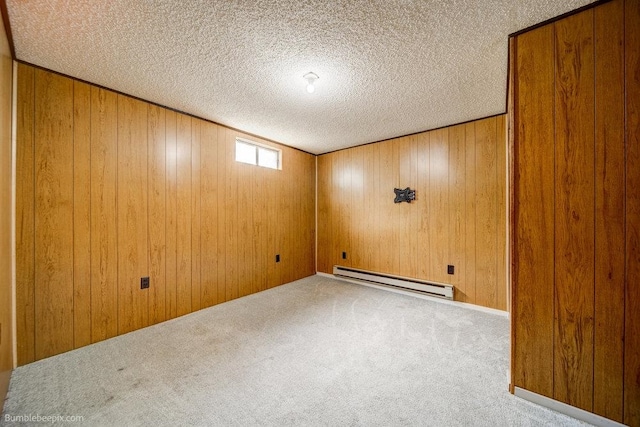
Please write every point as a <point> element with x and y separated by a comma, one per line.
<point>310,78</point>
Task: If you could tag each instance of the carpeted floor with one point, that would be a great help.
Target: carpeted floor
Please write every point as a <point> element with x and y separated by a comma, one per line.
<point>313,352</point>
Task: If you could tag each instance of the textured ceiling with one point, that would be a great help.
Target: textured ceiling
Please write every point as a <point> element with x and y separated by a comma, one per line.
<point>387,67</point>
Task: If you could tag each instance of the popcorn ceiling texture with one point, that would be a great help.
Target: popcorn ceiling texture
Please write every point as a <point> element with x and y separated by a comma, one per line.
<point>387,68</point>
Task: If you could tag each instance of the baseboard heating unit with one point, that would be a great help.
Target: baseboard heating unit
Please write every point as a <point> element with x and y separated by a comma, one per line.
<point>440,290</point>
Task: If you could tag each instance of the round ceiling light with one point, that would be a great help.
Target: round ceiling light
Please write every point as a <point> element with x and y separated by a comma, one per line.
<point>311,78</point>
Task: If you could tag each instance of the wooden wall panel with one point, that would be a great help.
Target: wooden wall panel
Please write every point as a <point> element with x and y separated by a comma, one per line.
<point>231,213</point>
<point>132,218</point>
<point>209,224</point>
<point>6,216</point>
<point>157,158</point>
<point>104,231</point>
<point>81,214</point>
<point>573,357</point>
<point>324,227</point>
<point>25,215</point>
<point>632,213</point>
<point>171,275</point>
<point>420,239</point>
<point>486,213</point>
<point>112,189</point>
<point>609,210</point>
<point>534,227</point>
<point>438,191</point>
<point>468,289</point>
<point>196,168</point>
<point>183,215</point>
<point>457,185</point>
<point>53,210</point>
<point>582,104</point>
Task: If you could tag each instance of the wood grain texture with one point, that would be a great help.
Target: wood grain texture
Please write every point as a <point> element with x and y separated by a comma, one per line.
<point>609,212</point>
<point>53,213</point>
<point>457,214</point>
<point>6,218</point>
<point>502,294</point>
<point>171,226</point>
<point>533,271</point>
<point>183,214</point>
<point>439,230</point>
<point>469,289</point>
<point>420,239</point>
<point>133,234</point>
<point>574,229</point>
<point>209,225</point>
<point>126,190</point>
<point>632,213</point>
<point>221,254</point>
<point>231,218</point>
<point>104,230</point>
<point>196,257</point>
<point>324,215</point>
<point>157,160</point>
<point>487,250</point>
<point>81,214</point>
<point>25,215</point>
<point>423,203</point>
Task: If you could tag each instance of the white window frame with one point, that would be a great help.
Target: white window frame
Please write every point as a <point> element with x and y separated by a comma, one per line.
<point>257,145</point>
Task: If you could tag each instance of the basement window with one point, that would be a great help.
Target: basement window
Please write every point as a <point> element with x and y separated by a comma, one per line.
<point>257,154</point>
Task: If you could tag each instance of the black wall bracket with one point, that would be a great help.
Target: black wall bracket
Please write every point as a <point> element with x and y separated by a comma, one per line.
<point>406,195</point>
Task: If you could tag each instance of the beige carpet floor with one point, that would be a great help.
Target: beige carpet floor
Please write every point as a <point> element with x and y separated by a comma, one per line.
<point>317,351</point>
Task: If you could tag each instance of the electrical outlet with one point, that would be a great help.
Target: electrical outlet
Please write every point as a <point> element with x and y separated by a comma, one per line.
<point>344,255</point>
<point>144,283</point>
<point>450,269</point>
<point>278,258</point>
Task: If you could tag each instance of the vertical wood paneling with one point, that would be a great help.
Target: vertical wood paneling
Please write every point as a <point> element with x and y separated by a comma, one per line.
<point>104,231</point>
<point>386,220</point>
<point>231,222</point>
<point>324,211</point>
<point>53,214</point>
<point>423,205</point>
<point>457,185</point>
<point>183,214</point>
<point>209,224</point>
<point>123,190</point>
<point>357,248</point>
<point>595,94</point>
<point>196,265</point>
<point>439,206</point>
<point>609,221</point>
<point>157,157</point>
<point>574,231</point>
<point>420,239</point>
<point>81,214</point>
<point>469,289</point>
<point>25,215</point>
<point>7,290</point>
<point>221,254</point>
<point>244,233</point>
<point>171,275</point>
<point>632,211</point>
<point>486,213</point>
<point>501,214</point>
<point>533,272</point>
<point>133,252</point>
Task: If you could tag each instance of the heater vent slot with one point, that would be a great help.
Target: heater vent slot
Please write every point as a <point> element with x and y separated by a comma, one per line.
<point>440,290</point>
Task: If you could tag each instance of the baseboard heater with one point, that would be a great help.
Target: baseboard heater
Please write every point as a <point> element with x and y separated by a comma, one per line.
<point>440,290</point>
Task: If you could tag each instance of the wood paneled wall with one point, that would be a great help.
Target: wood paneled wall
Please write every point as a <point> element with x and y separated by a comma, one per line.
<point>111,189</point>
<point>458,217</point>
<point>6,312</point>
<point>576,218</point>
